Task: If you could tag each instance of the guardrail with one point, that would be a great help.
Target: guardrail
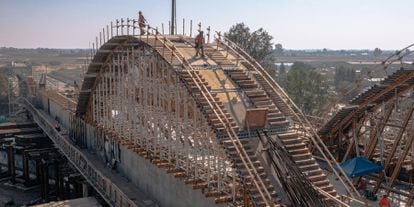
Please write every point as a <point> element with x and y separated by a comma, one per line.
<point>102,184</point>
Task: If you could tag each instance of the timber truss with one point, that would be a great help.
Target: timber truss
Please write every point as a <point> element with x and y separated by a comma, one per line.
<point>378,124</point>
<point>199,118</point>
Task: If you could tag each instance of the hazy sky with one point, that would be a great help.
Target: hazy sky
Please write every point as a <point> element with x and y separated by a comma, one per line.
<point>297,24</point>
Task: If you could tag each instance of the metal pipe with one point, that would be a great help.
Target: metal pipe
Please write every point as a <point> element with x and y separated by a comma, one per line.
<point>122,26</point>
<point>173,16</point>
<point>103,35</point>
<point>112,29</point>
<point>169,27</point>
<point>107,32</point>
<point>191,28</point>
<point>133,27</point>
<point>183,26</point>
<point>127,25</point>
<point>117,27</point>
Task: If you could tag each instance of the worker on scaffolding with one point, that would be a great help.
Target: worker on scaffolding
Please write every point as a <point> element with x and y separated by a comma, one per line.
<point>199,44</point>
<point>141,22</point>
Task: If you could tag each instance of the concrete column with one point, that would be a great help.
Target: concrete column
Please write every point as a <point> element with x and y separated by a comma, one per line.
<point>11,164</point>
<point>85,190</point>
<point>45,182</point>
<point>25,160</point>
<point>38,169</point>
<point>58,186</point>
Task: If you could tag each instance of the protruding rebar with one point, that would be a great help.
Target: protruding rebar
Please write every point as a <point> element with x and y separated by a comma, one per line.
<point>133,27</point>
<point>191,28</point>
<point>122,26</point>
<point>103,35</point>
<point>169,27</point>
<point>100,39</point>
<point>183,26</point>
<point>208,34</point>
<point>117,27</point>
<point>127,25</point>
<point>107,32</point>
<point>112,29</point>
<point>148,28</point>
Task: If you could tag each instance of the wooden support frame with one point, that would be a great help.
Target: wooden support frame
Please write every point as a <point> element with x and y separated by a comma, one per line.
<point>373,140</point>
<point>394,148</point>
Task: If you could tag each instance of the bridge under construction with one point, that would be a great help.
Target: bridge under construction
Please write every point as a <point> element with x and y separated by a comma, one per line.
<point>153,122</point>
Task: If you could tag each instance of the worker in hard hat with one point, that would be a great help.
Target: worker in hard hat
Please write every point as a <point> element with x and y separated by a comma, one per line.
<point>199,43</point>
<point>141,22</point>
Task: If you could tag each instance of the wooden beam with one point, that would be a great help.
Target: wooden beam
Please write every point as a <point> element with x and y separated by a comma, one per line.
<point>394,148</point>
<point>369,100</point>
<point>400,161</point>
<point>352,142</point>
<point>373,140</point>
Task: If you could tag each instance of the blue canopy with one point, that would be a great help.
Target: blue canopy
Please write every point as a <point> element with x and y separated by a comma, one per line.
<point>360,166</point>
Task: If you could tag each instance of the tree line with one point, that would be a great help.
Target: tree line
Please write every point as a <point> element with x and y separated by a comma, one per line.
<point>305,86</point>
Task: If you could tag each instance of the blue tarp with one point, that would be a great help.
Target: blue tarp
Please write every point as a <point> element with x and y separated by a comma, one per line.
<point>360,166</point>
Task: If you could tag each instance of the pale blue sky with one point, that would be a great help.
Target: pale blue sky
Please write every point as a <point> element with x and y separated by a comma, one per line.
<point>297,24</point>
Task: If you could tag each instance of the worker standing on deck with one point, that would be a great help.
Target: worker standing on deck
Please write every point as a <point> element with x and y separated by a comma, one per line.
<point>199,44</point>
<point>141,22</point>
<point>384,202</point>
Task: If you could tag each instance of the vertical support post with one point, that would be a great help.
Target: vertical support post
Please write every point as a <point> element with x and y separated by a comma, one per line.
<point>191,28</point>
<point>100,39</point>
<point>38,169</point>
<point>11,163</point>
<point>58,185</point>
<point>107,32</point>
<point>355,136</point>
<point>96,43</point>
<point>173,16</point>
<point>183,26</point>
<point>25,160</point>
<point>122,26</point>
<point>133,26</point>
<point>208,39</point>
<point>127,25</point>
<point>112,29</point>
<point>148,28</point>
<point>117,27</point>
<point>169,27</point>
<point>45,183</point>
<point>103,35</point>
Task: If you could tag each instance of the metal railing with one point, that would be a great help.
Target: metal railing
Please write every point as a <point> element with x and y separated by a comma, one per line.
<point>102,184</point>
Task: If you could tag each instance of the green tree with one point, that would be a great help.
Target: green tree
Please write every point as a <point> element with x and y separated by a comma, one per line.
<point>281,78</point>
<point>282,69</point>
<point>377,52</point>
<point>343,74</point>
<point>3,92</point>
<point>257,44</point>
<point>307,87</point>
<point>3,86</point>
<point>279,49</point>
